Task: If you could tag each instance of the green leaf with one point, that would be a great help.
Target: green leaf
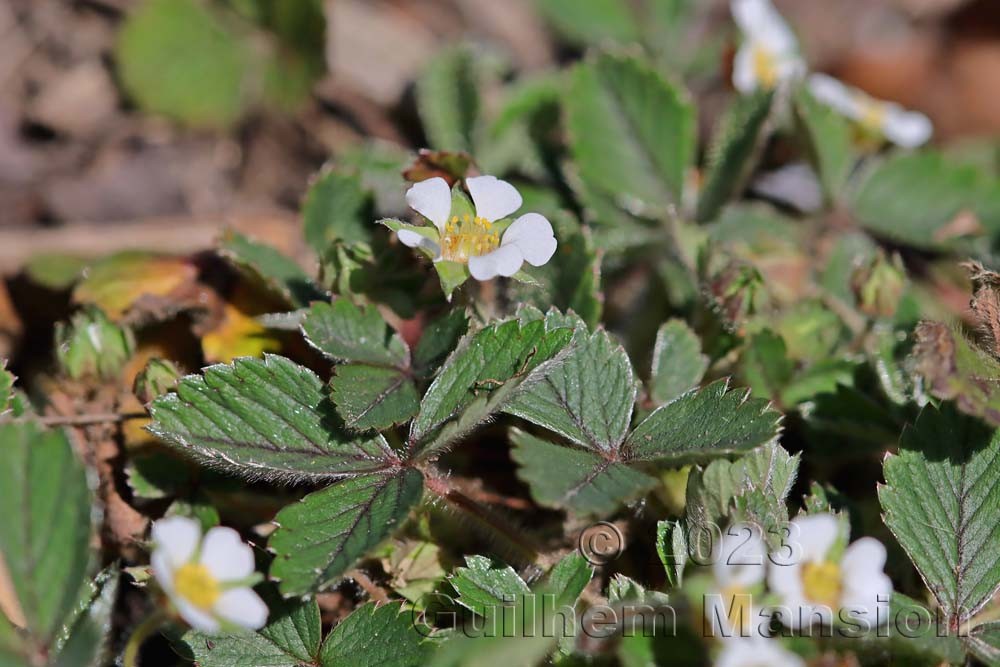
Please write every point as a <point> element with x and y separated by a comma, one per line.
<point>591,22</point>
<point>588,398</point>
<point>678,364</point>
<point>279,274</point>
<point>346,332</point>
<point>55,271</point>
<point>731,156</point>
<point>830,143</point>
<point>84,639</point>
<point>452,275</point>
<point>448,100</point>
<point>632,133</point>
<point>941,500</point>
<point>337,208</point>
<point>321,537</point>
<point>918,639</point>
<point>484,586</point>
<point>291,638</point>
<point>575,479</point>
<point>711,422</point>
<point>672,548</point>
<point>46,548</point>
<point>371,397</point>
<point>376,636</point>
<point>485,371</point>
<point>182,59</point>
<point>6,387</point>
<point>91,345</point>
<point>266,418</point>
<point>766,365</point>
<point>911,198</point>
<point>438,340</point>
<point>984,643</point>
<point>567,579</point>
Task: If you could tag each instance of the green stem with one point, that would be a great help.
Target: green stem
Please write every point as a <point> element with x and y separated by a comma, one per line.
<point>144,631</point>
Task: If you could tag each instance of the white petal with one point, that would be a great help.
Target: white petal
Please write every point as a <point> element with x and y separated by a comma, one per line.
<point>415,240</point>
<point>494,199</point>
<point>786,580</point>
<point>198,619</point>
<point>744,74</point>
<point>756,651</point>
<point>431,199</point>
<point>504,261</point>
<point>908,129</point>
<point>761,22</point>
<point>533,234</point>
<point>225,555</point>
<point>867,599</point>
<point>163,569</point>
<point>242,607</point>
<point>863,556</point>
<point>740,557</point>
<point>835,94</point>
<point>816,533</point>
<point>177,537</point>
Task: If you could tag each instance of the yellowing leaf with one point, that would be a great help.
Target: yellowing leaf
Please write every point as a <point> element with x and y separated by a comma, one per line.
<point>118,282</point>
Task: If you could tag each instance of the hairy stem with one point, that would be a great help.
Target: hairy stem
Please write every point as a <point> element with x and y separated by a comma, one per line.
<point>145,630</point>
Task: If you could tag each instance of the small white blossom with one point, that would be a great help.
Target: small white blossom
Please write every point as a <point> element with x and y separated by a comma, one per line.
<point>908,129</point>
<point>756,652</point>
<point>738,566</point>
<point>770,54</point>
<point>815,583</point>
<point>475,239</point>
<point>207,580</point>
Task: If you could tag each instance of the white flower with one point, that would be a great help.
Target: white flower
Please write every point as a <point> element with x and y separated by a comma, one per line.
<point>208,580</point>
<point>756,652</point>
<point>908,129</point>
<point>770,53</point>
<point>475,239</point>
<point>815,583</point>
<point>738,565</point>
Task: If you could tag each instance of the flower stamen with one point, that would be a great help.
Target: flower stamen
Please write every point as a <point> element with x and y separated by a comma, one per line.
<point>821,583</point>
<point>196,584</point>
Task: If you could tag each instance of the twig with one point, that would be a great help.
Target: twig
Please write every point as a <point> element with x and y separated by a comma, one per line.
<point>374,591</point>
<point>83,420</point>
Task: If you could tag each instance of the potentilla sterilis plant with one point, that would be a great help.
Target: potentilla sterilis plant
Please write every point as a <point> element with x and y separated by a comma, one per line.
<point>902,127</point>
<point>208,579</point>
<point>818,579</point>
<point>486,240</point>
<point>769,55</point>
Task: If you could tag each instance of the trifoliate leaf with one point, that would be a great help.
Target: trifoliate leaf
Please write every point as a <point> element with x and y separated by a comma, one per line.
<point>734,146</point>
<point>678,364</point>
<point>940,501</point>
<point>346,332</point>
<point>911,198</point>
<point>46,549</point>
<point>711,422</point>
<point>485,372</point>
<point>321,537</point>
<point>376,636</point>
<point>448,100</point>
<point>588,398</point>
<point>278,273</point>
<point>372,397</point>
<point>828,136</point>
<point>336,208</point>
<point>484,586</point>
<point>265,419</point>
<point>116,283</point>
<point>632,133</point>
<point>575,479</point>
<point>291,638</point>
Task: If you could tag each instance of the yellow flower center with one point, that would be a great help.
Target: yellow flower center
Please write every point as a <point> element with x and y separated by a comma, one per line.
<point>821,583</point>
<point>765,67</point>
<point>196,584</point>
<point>738,603</point>
<point>872,113</point>
<point>468,236</point>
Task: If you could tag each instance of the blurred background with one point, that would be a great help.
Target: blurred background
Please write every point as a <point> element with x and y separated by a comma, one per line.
<point>154,123</point>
